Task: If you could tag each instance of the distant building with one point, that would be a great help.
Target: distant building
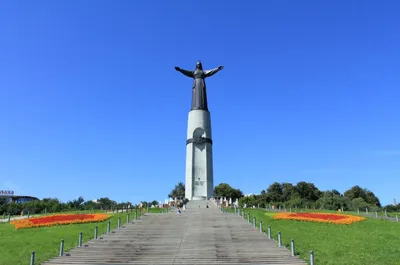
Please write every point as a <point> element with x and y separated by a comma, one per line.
<point>21,199</point>
<point>9,195</point>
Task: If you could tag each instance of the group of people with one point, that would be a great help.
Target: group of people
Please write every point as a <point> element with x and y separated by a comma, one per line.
<point>179,209</point>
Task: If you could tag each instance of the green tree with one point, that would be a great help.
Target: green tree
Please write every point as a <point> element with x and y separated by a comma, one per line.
<point>225,190</point>
<point>274,192</point>
<point>249,201</point>
<point>106,203</point>
<point>392,208</point>
<point>358,204</point>
<point>331,200</point>
<point>178,191</point>
<point>308,191</point>
<point>354,192</point>
<point>288,190</point>
<point>358,192</point>
<point>371,198</point>
<point>75,204</point>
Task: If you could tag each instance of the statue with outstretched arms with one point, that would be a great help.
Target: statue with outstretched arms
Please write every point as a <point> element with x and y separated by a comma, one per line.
<point>199,95</point>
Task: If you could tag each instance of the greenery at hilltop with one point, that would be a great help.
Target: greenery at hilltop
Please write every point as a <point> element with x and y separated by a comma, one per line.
<point>53,205</point>
<point>307,195</point>
<point>301,195</point>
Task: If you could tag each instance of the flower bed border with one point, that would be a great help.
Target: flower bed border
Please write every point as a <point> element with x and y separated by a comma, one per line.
<point>349,219</point>
<point>27,223</point>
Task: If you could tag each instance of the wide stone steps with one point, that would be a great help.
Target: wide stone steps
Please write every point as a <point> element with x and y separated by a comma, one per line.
<point>197,236</point>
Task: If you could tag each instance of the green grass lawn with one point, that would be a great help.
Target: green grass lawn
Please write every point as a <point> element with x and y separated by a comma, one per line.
<point>372,241</point>
<point>16,245</point>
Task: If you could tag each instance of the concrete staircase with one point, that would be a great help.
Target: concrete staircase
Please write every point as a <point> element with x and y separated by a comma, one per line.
<point>199,235</point>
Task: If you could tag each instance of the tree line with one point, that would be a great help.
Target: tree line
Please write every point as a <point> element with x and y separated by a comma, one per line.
<point>301,195</point>
<point>52,205</point>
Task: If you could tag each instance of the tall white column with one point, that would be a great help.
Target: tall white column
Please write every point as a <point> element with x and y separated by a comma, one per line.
<point>199,166</point>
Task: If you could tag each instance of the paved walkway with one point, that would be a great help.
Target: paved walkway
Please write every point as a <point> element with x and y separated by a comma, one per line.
<point>15,218</point>
<point>197,236</point>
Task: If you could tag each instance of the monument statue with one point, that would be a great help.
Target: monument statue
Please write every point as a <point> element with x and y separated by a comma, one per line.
<point>199,183</point>
<point>199,95</point>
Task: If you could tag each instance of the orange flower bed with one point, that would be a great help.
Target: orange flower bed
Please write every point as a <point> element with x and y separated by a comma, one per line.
<point>320,217</point>
<point>59,219</point>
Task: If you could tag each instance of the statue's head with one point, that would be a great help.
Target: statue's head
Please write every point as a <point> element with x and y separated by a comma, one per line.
<point>199,65</point>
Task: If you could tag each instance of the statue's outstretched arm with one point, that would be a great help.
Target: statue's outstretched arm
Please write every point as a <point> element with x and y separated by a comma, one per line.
<point>185,72</point>
<point>211,72</point>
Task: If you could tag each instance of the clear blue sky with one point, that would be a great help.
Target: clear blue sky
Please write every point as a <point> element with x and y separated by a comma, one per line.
<point>90,103</point>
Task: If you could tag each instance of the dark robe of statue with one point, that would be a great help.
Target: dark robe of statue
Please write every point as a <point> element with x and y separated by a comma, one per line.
<point>199,94</point>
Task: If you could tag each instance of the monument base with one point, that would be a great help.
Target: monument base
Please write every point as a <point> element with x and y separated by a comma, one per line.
<point>199,198</point>
<point>199,167</point>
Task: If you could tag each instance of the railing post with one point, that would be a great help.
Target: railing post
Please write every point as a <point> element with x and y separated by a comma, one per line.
<point>108,227</point>
<point>312,258</point>
<point>33,258</point>
<point>261,226</point>
<point>135,216</point>
<point>80,240</point>
<point>269,232</point>
<point>279,240</point>
<point>62,247</point>
<point>254,221</point>
<point>292,247</point>
<point>127,218</point>
<point>248,218</point>
<point>96,229</point>
<point>119,222</point>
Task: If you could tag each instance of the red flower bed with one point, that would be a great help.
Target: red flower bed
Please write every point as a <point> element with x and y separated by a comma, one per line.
<point>62,218</point>
<point>59,219</point>
<point>320,217</point>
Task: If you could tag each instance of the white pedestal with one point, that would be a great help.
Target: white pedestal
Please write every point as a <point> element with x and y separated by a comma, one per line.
<point>199,168</point>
